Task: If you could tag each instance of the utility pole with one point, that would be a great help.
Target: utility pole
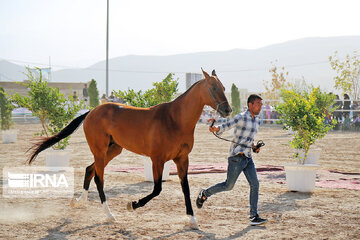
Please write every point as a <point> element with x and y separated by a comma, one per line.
<point>49,74</point>
<point>107,51</point>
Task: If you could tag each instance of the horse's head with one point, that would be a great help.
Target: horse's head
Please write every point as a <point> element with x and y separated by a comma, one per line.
<point>215,94</point>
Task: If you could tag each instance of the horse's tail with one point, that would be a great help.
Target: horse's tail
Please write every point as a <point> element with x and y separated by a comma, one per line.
<point>47,142</point>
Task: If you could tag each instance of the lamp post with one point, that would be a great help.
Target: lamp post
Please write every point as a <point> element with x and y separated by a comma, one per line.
<point>107,50</point>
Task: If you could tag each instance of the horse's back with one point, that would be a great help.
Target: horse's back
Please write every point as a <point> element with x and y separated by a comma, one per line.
<point>140,130</point>
<point>111,116</point>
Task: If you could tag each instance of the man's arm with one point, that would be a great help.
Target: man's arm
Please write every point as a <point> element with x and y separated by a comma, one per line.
<point>227,124</point>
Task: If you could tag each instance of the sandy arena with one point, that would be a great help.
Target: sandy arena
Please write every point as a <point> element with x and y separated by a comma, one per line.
<point>332,211</point>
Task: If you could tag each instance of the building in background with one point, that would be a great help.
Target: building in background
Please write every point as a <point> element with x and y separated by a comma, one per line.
<point>66,88</point>
<point>192,78</point>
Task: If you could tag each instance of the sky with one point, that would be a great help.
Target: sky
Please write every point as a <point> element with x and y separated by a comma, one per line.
<point>72,33</point>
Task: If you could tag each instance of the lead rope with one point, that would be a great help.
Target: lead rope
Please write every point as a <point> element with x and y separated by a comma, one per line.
<point>258,145</point>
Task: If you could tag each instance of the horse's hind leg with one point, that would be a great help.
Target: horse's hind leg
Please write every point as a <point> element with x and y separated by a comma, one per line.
<point>89,174</point>
<point>157,168</point>
<point>182,165</point>
<point>112,152</point>
<point>99,180</point>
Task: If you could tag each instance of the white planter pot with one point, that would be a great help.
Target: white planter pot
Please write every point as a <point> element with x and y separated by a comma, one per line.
<point>312,157</point>
<point>290,131</point>
<point>9,136</point>
<point>57,158</point>
<point>148,174</point>
<point>301,177</point>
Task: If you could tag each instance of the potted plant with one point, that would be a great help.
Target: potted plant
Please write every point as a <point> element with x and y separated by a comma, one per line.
<point>94,99</point>
<point>54,111</point>
<point>304,112</point>
<point>6,107</point>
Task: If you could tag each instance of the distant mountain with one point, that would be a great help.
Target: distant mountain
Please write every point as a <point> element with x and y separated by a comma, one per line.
<point>304,58</point>
<point>10,71</point>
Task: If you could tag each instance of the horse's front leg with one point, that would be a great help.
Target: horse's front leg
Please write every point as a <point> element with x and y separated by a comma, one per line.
<point>157,168</point>
<point>182,165</point>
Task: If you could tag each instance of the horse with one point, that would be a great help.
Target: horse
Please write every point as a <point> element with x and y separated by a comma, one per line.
<point>163,132</point>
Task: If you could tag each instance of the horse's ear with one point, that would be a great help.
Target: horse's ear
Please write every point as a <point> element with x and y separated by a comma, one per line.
<point>205,73</point>
<point>214,73</point>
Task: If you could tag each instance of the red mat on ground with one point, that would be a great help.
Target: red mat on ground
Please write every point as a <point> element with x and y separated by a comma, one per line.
<point>268,173</point>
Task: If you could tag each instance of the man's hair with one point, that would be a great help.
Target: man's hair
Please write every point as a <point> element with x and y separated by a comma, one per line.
<point>252,98</point>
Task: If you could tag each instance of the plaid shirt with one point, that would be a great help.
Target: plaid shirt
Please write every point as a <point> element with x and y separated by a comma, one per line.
<point>245,129</point>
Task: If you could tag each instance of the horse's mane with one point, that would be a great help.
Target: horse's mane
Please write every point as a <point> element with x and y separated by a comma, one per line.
<point>187,91</point>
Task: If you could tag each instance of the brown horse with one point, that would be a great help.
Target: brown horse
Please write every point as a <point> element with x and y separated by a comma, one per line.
<point>163,132</point>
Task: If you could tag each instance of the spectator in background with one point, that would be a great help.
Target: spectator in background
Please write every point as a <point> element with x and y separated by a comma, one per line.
<point>103,98</point>
<point>327,114</point>
<point>268,112</point>
<point>337,115</point>
<point>111,97</point>
<point>122,101</point>
<point>347,122</point>
<point>204,117</point>
<point>347,103</point>
<point>275,116</point>
<point>356,109</point>
<point>75,98</point>
<point>356,122</point>
<point>85,94</point>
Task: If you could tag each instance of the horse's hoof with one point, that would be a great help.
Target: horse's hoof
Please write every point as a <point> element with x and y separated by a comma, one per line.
<point>76,203</point>
<point>129,207</point>
<point>111,219</point>
<point>73,202</point>
<point>193,224</point>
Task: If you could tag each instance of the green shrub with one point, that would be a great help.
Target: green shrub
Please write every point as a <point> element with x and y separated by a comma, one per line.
<point>304,112</point>
<point>163,91</point>
<point>93,94</point>
<point>235,99</point>
<point>6,108</point>
<point>53,109</point>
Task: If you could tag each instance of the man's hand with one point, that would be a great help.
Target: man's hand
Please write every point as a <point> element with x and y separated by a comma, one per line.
<point>214,129</point>
<point>211,120</point>
<point>257,150</point>
<point>259,144</point>
<point>211,127</point>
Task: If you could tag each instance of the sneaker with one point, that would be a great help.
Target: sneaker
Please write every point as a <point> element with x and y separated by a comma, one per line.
<point>201,198</point>
<point>257,220</point>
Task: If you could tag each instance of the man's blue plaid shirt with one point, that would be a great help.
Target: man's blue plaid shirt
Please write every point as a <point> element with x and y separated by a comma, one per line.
<point>246,128</point>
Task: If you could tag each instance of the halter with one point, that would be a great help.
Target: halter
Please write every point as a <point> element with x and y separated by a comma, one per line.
<point>213,97</point>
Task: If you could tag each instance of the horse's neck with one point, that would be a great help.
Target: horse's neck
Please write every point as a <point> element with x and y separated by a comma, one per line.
<point>189,108</point>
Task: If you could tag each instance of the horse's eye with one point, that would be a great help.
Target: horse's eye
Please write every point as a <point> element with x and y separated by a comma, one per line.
<point>214,88</point>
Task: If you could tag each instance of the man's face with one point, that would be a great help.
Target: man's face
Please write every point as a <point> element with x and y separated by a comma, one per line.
<point>255,107</point>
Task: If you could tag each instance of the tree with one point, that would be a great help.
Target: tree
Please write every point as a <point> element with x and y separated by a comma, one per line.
<point>278,81</point>
<point>6,108</point>
<point>53,109</point>
<point>163,91</point>
<point>136,99</point>
<point>235,99</point>
<point>93,94</point>
<point>348,74</point>
<point>304,112</point>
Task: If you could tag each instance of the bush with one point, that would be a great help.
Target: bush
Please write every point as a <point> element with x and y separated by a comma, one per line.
<point>53,109</point>
<point>235,99</point>
<point>6,108</point>
<point>304,112</point>
<point>163,91</point>
<point>93,94</point>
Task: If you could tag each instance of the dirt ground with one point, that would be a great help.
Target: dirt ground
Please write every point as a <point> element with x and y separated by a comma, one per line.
<point>327,213</point>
